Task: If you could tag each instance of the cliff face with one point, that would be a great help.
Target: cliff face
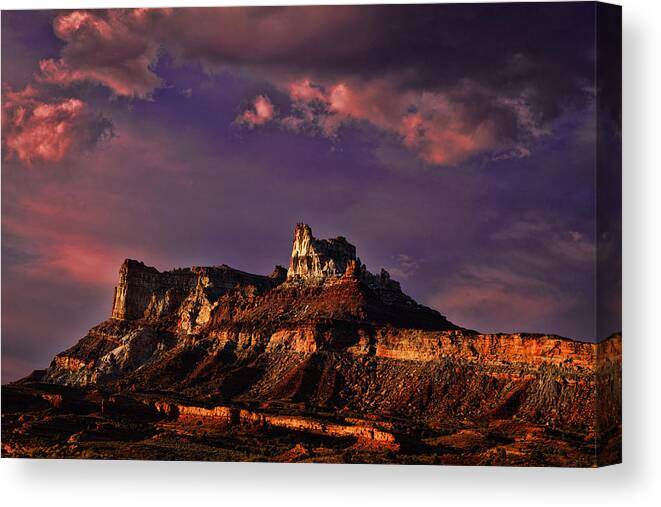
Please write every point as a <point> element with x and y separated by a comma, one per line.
<point>143,291</point>
<point>329,335</point>
<point>326,300</point>
<point>314,259</point>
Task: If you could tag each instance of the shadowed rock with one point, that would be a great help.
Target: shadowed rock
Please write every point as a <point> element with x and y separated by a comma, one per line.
<point>327,336</point>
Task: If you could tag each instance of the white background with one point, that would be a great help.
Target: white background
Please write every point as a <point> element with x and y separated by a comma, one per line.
<point>636,482</point>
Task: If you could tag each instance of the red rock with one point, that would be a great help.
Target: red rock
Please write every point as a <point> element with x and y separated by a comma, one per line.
<point>329,335</point>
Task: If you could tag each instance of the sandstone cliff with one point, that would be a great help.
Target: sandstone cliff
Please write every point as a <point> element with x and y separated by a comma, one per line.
<point>312,258</point>
<point>328,335</point>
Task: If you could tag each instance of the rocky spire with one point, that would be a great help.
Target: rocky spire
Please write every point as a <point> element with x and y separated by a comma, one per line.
<point>316,259</point>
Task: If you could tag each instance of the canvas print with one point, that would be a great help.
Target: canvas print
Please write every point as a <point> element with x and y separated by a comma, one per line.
<point>325,234</point>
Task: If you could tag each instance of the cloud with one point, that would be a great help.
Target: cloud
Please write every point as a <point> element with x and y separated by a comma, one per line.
<point>500,299</point>
<point>315,108</point>
<point>522,229</point>
<point>403,266</point>
<point>539,271</point>
<point>439,127</point>
<point>260,113</point>
<point>112,50</point>
<point>576,247</point>
<point>38,128</point>
<point>357,65</point>
<point>564,245</point>
<point>79,259</point>
<point>118,48</point>
<point>52,225</point>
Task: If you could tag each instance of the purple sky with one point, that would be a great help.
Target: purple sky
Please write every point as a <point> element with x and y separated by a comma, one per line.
<point>453,145</point>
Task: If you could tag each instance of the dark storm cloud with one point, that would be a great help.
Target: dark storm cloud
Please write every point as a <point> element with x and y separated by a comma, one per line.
<point>541,51</point>
<point>451,81</point>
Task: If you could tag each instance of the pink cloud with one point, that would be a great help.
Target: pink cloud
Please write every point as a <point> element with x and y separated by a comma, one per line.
<point>316,107</point>
<point>259,38</point>
<point>494,299</point>
<point>81,228</point>
<point>62,231</point>
<point>260,113</point>
<point>431,124</point>
<point>37,129</point>
<point>114,50</point>
<point>118,48</point>
<point>442,125</point>
<point>79,259</point>
<point>69,256</point>
<point>305,91</point>
<point>445,139</point>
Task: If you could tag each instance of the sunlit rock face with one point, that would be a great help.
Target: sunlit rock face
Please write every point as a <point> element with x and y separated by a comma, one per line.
<point>316,259</point>
<point>289,311</point>
<point>142,287</point>
<point>144,292</point>
<point>329,334</point>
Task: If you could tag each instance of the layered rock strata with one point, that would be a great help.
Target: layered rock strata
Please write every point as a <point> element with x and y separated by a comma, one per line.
<point>328,335</point>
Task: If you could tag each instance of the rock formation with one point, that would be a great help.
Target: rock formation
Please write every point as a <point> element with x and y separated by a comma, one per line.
<point>328,337</point>
<point>143,291</point>
<point>313,259</point>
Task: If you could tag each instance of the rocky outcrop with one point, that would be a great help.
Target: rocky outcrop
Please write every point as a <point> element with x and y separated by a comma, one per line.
<point>327,301</point>
<point>141,287</point>
<point>316,259</point>
<point>329,335</point>
<point>360,429</point>
<point>144,292</point>
<point>213,283</point>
